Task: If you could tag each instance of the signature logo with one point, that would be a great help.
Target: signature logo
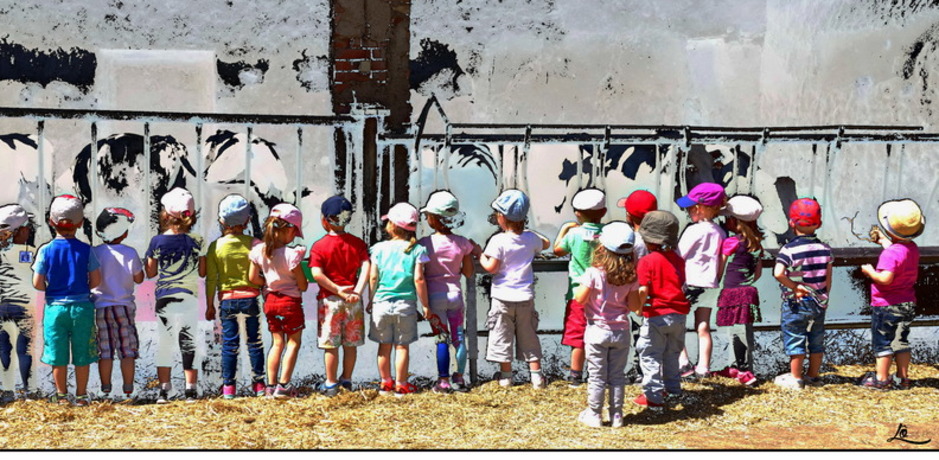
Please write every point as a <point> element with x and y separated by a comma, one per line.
<point>901,435</point>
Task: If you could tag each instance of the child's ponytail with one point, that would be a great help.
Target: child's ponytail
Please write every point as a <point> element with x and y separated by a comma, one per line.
<point>412,240</point>
<point>271,236</point>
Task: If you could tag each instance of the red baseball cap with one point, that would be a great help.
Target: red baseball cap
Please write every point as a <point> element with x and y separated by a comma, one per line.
<point>805,212</point>
<point>639,203</point>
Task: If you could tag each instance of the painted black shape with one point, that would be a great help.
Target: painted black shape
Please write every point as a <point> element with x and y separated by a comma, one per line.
<point>306,63</point>
<point>74,66</point>
<point>642,154</point>
<point>480,155</point>
<point>786,191</point>
<point>230,72</point>
<point>435,57</point>
<point>104,220</point>
<point>12,138</point>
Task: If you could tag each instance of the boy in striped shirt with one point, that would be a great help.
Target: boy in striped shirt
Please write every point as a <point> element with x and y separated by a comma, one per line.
<point>803,269</point>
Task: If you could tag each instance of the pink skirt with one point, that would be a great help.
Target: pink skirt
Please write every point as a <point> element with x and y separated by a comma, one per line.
<point>740,305</point>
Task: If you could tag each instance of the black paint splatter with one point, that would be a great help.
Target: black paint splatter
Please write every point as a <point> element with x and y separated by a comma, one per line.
<point>12,138</point>
<point>230,72</point>
<point>434,58</point>
<point>75,66</point>
<point>786,191</point>
<point>308,68</point>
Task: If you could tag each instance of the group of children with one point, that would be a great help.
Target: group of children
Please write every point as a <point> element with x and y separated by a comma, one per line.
<point>623,274</point>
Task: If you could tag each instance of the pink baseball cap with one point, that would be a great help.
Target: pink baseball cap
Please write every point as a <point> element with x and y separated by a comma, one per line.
<point>179,202</point>
<point>290,214</point>
<point>706,193</point>
<point>403,215</point>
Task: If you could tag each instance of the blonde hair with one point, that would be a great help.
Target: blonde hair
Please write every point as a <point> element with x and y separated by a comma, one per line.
<point>404,234</point>
<point>752,234</point>
<point>620,268</point>
<point>183,224</point>
<point>273,234</point>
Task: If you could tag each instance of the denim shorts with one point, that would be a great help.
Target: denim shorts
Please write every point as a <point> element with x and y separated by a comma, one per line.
<point>803,326</point>
<point>890,328</point>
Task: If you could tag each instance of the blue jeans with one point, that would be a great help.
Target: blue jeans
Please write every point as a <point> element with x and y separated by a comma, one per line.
<point>228,312</point>
<point>803,326</point>
<point>890,328</point>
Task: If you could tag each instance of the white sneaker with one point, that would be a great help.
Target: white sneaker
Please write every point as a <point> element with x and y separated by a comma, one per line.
<point>503,381</point>
<point>591,418</point>
<point>616,420</point>
<point>538,381</point>
<point>788,381</point>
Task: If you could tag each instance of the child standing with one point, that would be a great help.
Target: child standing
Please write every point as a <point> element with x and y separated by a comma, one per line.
<point>661,274</point>
<point>284,282</point>
<point>637,205</point>
<point>700,246</point>
<point>579,240</point>
<point>178,257</point>
<point>16,300</point>
<point>396,282</point>
<point>227,266</point>
<point>738,306</point>
<point>512,316</point>
<point>66,269</point>
<point>340,265</point>
<point>450,257</point>
<point>893,299</point>
<point>608,291</point>
<point>121,271</point>
<point>803,269</point>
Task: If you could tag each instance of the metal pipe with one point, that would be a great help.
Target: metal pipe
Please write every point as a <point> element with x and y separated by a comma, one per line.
<point>247,174</point>
<point>148,186</point>
<point>298,193</point>
<point>94,178</point>
<point>41,151</point>
<point>471,328</point>
<point>171,117</point>
<point>200,179</point>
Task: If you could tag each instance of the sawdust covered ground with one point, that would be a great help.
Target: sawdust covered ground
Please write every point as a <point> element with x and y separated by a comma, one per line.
<point>716,413</point>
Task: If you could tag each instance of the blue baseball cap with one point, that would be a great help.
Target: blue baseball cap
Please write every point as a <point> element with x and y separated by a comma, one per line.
<point>234,210</point>
<point>337,209</point>
<point>513,204</point>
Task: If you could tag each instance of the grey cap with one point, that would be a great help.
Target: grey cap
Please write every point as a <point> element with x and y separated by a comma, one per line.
<point>659,227</point>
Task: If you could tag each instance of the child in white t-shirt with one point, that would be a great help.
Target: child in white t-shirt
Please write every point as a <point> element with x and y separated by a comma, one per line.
<point>121,271</point>
<point>512,316</point>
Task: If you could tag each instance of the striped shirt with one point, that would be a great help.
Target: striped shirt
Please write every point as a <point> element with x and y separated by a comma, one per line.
<point>806,260</point>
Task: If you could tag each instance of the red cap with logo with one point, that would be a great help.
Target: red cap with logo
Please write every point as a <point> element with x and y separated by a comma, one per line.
<point>639,203</point>
<point>805,212</point>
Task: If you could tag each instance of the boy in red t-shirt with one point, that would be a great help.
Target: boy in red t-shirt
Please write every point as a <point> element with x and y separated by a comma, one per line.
<point>662,337</point>
<point>339,263</point>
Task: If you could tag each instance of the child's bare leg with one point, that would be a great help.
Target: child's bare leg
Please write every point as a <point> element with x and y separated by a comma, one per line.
<point>903,364</point>
<point>105,367</point>
<point>349,355</point>
<point>683,358</point>
<point>384,361</point>
<point>163,374</point>
<point>702,318</point>
<point>81,379</point>
<point>532,365</point>
<point>59,376</point>
<point>331,358</point>
<point>577,359</point>
<point>505,367</point>
<point>127,371</point>
<point>192,376</point>
<point>290,355</point>
<point>795,365</point>
<point>883,367</point>
<point>815,364</point>
<point>402,360</point>
<point>273,357</point>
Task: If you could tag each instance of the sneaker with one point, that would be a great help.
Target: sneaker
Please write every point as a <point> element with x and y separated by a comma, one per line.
<point>346,384</point>
<point>228,391</point>
<point>788,381</point>
<point>686,371</point>
<point>642,401</point>
<point>191,395</point>
<point>284,392</point>
<point>442,386</point>
<point>82,401</point>
<point>747,378</point>
<point>870,381</point>
<point>269,390</point>
<point>387,387</point>
<point>616,420</point>
<point>329,390</point>
<point>259,388</point>
<point>457,383</point>
<point>163,398</point>
<point>406,389</point>
<point>728,372</point>
<point>60,399</point>
<point>503,381</point>
<point>813,381</point>
<point>575,380</point>
<point>538,381</point>
<point>901,383</point>
<point>590,418</point>
<point>634,378</point>
<point>7,397</point>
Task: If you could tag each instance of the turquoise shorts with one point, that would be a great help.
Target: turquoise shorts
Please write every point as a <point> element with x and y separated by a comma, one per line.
<point>69,331</point>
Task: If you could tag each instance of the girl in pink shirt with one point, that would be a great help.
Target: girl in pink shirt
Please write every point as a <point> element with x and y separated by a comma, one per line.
<point>608,291</point>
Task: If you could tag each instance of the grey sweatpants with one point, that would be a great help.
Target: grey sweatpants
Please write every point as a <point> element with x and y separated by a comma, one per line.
<point>660,342</point>
<point>741,342</point>
<point>607,354</point>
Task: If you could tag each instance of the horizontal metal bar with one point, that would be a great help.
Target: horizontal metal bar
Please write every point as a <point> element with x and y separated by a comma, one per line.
<point>758,129</point>
<point>185,117</point>
<point>668,137</point>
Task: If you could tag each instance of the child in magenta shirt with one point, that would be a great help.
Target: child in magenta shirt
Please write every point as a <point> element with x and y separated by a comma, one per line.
<point>451,256</point>
<point>892,295</point>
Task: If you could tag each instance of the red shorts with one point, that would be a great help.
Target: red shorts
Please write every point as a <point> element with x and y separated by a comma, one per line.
<point>284,313</point>
<point>575,323</point>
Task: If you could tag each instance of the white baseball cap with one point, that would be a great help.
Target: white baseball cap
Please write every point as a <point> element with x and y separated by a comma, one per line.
<point>618,237</point>
<point>12,217</point>
<point>743,207</point>
<point>66,211</point>
<point>590,199</point>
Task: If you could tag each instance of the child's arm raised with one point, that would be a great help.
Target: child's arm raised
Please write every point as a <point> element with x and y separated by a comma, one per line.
<point>559,247</point>
<point>489,263</point>
<point>883,277</point>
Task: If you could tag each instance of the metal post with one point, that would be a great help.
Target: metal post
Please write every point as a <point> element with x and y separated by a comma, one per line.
<point>41,150</point>
<point>247,174</point>
<point>298,187</point>
<point>200,178</point>
<point>94,177</point>
<point>472,344</point>
<point>148,186</point>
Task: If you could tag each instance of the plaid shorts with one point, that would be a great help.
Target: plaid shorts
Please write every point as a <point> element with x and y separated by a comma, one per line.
<point>117,331</point>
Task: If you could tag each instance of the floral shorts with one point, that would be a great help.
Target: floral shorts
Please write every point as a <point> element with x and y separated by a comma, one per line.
<point>340,323</point>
